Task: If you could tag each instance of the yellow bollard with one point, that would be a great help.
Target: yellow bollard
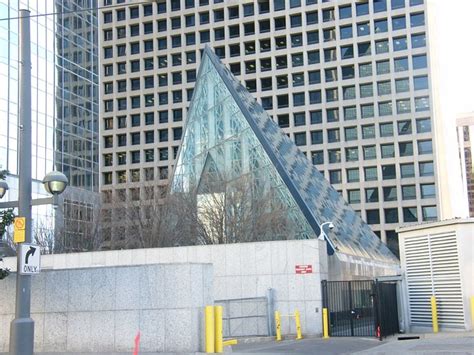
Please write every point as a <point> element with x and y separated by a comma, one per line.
<point>209,326</point>
<point>325,324</point>
<point>434,314</point>
<point>219,346</point>
<point>298,325</point>
<point>278,326</point>
<point>472,312</point>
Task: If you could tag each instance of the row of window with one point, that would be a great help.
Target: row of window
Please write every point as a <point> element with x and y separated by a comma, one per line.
<point>248,28</point>
<point>418,40</point>
<point>148,82</point>
<point>135,175</point>
<point>369,152</point>
<point>400,64</point>
<point>410,214</point>
<point>385,172</point>
<point>248,9</point>
<point>137,156</point>
<point>146,119</point>
<point>349,92</point>
<point>403,106</point>
<point>135,138</point>
<point>389,193</point>
<point>147,100</point>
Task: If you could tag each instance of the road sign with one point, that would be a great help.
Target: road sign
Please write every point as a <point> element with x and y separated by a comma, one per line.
<point>29,259</point>
<point>19,226</point>
<point>304,269</point>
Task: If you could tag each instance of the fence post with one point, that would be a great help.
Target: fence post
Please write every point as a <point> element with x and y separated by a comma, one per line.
<point>434,314</point>
<point>298,325</point>
<point>325,324</point>
<point>278,325</point>
<point>219,346</point>
<point>472,312</point>
<point>270,311</point>
<point>209,328</point>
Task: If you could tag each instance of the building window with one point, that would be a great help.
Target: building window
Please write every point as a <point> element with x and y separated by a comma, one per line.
<point>333,135</point>
<point>317,157</point>
<point>352,154</point>
<point>368,131</point>
<point>407,170</point>
<point>428,191</point>
<point>373,216</point>
<point>350,113</point>
<point>370,173</point>
<point>388,172</point>
<point>391,215</point>
<point>299,119</point>
<point>350,133</point>
<point>300,138</point>
<point>380,26</point>
<point>353,196</point>
<point>426,168</point>
<point>409,192</point>
<point>334,156</point>
<point>410,214</point>
<point>372,195</point>
<point>369,152</point>
<point>316,137</point>
<point>386,129</point>
<point>352,175</point>
<point>390,193</point>
<point>335,176</point>
<point>429,213</point>
<point>425,147</point>
<point>405,148</point>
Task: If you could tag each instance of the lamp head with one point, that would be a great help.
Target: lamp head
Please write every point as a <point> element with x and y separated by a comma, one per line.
<point>330,225</point>
<point>3,188</point>
<point>55,182</point>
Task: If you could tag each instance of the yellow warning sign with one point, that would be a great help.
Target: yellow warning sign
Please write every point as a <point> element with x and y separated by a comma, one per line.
<point>19,229</point>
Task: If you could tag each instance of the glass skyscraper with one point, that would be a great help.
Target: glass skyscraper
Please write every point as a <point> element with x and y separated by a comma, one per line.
<point>64,50</point>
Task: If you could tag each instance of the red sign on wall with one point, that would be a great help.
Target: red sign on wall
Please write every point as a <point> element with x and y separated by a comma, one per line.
<point>304,269</point>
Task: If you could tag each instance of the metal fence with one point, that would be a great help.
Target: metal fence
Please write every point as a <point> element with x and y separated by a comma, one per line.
<point>248,317</point>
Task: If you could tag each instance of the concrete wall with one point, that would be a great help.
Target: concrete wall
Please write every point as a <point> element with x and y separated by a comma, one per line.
<point>102,309</point>
<point>240,270</point>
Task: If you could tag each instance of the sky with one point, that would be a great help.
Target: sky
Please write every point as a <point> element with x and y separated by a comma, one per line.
<point>455,41</point>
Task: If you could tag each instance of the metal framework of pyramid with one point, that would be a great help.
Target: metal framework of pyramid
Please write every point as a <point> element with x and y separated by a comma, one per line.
<point>228,130</point>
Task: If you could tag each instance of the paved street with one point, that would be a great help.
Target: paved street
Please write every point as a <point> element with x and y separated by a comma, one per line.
<point>364,346</point>
<point>309,346</point>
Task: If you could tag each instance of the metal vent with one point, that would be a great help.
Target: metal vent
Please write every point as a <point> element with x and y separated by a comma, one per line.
<point>432,268</point>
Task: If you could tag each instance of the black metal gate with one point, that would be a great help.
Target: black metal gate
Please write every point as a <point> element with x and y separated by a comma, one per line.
<point>361,308</point>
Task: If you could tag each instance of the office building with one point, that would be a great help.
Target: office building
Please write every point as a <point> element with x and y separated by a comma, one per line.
<point>348,81</point>
<point>465,131</point>
<point>65,101</point>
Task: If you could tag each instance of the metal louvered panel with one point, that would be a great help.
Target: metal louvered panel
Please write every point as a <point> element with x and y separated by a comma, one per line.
<point>432,268</point>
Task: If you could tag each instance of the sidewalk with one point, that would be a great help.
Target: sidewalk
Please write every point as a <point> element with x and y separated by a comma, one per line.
<point>441,343</point>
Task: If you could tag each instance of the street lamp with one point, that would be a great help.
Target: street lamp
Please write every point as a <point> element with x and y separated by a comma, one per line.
<point>331,248</point>
<point>3,188</point>
<point>55,183</point>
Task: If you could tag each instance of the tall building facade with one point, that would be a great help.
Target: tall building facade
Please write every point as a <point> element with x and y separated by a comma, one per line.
<point>349,81</point>
<point>465,133</point>
<point>65,108</point>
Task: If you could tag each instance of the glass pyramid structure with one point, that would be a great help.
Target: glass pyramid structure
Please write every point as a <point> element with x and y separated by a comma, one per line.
<point>229,136</point>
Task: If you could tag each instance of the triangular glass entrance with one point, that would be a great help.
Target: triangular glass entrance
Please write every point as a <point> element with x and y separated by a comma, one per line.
<point>230,138</point>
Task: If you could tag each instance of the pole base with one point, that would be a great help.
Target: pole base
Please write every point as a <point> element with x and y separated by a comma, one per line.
<point>22,331</point>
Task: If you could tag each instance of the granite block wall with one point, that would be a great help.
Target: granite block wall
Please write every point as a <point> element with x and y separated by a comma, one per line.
<point>240,270</point>
<point>102,309</point>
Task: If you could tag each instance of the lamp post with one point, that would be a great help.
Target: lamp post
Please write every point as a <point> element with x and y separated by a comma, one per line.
<point>331,248</point>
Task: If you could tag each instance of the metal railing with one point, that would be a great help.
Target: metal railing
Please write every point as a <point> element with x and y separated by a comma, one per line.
<point>248,317</point>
